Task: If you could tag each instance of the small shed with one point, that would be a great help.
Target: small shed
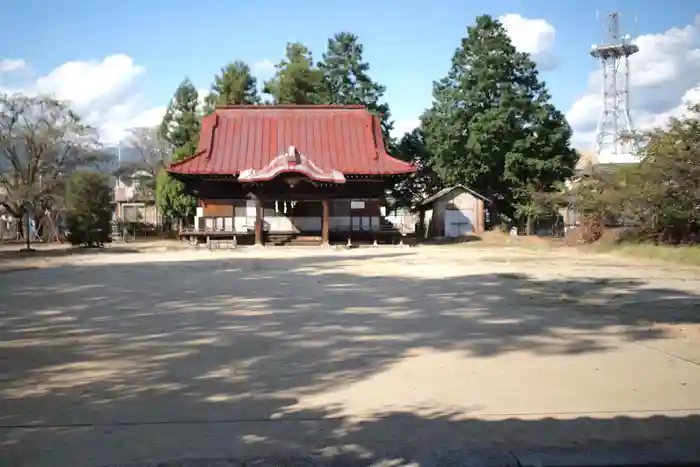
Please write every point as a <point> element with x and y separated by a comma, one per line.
<point>452,212</point>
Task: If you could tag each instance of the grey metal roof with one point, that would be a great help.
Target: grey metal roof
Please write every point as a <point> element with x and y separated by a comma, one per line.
<point>445,191</point>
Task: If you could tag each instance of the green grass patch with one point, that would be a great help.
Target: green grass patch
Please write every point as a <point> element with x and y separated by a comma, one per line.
<point>675,254</point>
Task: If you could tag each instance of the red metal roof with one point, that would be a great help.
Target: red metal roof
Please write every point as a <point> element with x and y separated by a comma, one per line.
<point>347,139</point>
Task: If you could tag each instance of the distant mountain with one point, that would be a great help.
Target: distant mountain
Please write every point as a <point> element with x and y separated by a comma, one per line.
<point>111,164</point>
<point>127,154</point>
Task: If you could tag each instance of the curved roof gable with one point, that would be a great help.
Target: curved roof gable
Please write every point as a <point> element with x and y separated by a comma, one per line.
<point>249,139</point>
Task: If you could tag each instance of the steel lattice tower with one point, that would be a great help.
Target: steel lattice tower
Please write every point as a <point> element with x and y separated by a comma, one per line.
<point>615,140</point>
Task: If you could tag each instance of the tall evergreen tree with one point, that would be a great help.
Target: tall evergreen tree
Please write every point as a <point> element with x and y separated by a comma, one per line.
<point>297,80</point>
<point>492,126</point>
<point>180,128</point>
<point>234,85</point>
<point>347,80</point>
<point>181,122</point>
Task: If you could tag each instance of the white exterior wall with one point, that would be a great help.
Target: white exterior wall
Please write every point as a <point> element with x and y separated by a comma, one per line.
<point>280,222</point>
<point>457,200</point>
<point>284,224</point>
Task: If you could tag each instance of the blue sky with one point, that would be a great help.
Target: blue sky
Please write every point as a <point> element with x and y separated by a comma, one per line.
<point>408,43</point>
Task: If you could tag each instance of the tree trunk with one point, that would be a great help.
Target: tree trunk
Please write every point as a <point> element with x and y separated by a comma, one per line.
<point>28,235</point>
<point>494,214</point>
<point>528,226</point>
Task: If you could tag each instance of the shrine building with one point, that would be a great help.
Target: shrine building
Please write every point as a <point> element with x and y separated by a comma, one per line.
<point>275,173</point>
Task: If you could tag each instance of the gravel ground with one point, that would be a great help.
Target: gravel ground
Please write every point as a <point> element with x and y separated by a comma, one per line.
<point>370,355</point>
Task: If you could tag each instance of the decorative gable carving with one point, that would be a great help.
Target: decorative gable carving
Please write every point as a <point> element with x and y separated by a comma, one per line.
<point>291,161</point>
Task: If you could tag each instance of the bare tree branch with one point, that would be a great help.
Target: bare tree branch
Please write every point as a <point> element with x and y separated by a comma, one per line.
<point>154,151</point>
<point>42,141</point>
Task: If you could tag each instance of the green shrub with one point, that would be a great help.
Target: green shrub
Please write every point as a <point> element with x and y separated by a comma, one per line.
<point>88,209</point>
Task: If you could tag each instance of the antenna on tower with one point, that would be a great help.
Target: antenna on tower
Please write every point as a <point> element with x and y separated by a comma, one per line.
<point>615,135</point>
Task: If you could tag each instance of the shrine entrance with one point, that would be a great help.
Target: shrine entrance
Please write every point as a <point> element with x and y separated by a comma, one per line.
<point>293,222</point>
<point>307,217</point>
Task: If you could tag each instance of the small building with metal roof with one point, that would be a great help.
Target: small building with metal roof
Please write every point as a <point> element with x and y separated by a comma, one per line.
<point>452,212</point>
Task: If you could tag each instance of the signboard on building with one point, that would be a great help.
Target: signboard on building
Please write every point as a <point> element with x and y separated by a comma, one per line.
<point>357,204</point>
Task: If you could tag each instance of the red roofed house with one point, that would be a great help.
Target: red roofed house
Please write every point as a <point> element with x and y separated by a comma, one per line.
<point>290,171</point>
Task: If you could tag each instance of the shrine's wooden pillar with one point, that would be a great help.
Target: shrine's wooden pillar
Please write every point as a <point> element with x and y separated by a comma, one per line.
<point>325,222</point>
<point>258,222</point>
<point>350,226</point>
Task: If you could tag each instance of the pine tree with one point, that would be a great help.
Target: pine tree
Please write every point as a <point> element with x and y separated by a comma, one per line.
<point>491,125</point>
<point>181,122</point>
<point>298,80</point>
<point>234,85</point>
<point>347,80</point>
<point>180,128</point>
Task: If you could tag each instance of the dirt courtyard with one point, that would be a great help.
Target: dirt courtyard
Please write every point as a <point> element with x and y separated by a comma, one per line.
<point>358,354</point>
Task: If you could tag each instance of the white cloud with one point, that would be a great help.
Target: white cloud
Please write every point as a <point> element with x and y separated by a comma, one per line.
<point>403,126</point>
<point>116,119</point>
<point>533,36</point>
<point>86,82</point>
<point>664,76</point>
<point>103,92</point>
<point>201,96</point>
<point>9,65</point>
<point>263,69</point>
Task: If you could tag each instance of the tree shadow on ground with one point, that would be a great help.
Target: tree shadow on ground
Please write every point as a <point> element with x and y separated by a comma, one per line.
<point>272,357</point>
<point>61,251</point>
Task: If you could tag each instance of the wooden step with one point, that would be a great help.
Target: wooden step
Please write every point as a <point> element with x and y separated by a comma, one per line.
<point>296,240</point>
